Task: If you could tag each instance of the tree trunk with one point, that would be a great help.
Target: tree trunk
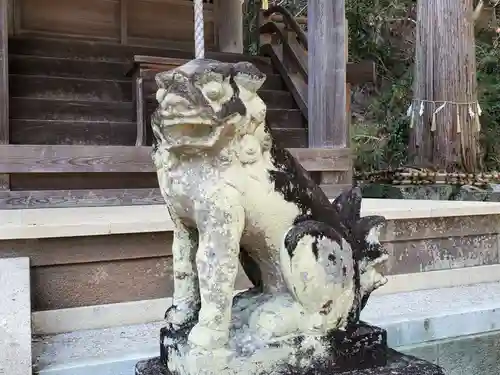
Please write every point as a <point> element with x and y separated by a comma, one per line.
<point>446,138</point>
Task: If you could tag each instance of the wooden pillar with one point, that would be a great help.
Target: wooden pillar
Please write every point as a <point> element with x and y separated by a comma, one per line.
<point>327,74</point>
<point>229,19</point>
<point>4,84</point>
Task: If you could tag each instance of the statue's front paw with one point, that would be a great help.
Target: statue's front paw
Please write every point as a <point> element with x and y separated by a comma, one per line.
<point>207,338</point>
<point>178,316</point>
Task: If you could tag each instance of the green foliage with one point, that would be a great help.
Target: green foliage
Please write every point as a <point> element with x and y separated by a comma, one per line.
<point>379,139</point>
<point>382,31</point>
<point>488,76</point>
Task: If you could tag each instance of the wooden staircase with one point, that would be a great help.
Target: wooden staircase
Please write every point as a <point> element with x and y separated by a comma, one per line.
<point>74,134</point>
<point>73,127</point>
<point>73,92</point>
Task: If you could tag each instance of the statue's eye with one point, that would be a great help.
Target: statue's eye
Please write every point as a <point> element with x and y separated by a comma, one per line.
<point>214,91</point>
<point>178,77</point>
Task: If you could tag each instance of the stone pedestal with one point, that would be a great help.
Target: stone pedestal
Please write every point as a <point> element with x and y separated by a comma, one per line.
<point>362,350</point>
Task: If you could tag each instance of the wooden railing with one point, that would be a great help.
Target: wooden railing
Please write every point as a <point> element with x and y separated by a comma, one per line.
<point>286,44</point>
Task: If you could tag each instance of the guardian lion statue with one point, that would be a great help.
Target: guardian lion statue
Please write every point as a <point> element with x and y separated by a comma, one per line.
<point>235,197</point>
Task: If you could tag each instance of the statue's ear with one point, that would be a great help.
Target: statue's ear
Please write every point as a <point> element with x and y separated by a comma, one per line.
<point>248,76</point>
<point>348,205</point>
<point>162,77</point>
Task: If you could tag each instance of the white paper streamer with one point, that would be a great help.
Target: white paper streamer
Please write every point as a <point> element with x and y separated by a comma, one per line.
<point>471,113</point>
<point>409,110</point>
<point>440,108</point>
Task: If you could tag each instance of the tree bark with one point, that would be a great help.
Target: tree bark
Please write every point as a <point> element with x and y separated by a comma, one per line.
<point>445,71</point>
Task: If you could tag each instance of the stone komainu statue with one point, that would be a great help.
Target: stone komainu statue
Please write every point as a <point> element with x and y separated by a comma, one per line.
<point>235,196</point>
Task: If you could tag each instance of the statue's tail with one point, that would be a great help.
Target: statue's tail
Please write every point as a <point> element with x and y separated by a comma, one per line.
<point>317,264</point>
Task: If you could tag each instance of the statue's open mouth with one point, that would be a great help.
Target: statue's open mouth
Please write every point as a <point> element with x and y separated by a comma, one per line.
<point>192,129</point>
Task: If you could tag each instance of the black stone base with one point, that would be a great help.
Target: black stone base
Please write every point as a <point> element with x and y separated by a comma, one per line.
<point>361,350</point>
<point>397,364</point>
<point>361,346</point>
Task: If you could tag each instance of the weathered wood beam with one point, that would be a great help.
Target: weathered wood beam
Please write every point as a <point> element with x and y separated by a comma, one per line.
<point>129,159</point>
<point>327,74</point>
<point>229,24</point>
<point>101,197</point>
<point>4,84</point>
<point>78,198</point>
<point>361,72</point>
<point>74,159</point>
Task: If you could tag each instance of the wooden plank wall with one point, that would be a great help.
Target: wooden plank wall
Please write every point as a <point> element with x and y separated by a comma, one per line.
<point>133,22</point>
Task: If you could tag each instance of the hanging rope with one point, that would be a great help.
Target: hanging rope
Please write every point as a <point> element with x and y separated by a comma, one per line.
<point>199,32</point>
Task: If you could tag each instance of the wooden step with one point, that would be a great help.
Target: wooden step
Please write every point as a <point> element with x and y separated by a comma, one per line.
<point>70,88</point>
<point>104,90</point>
<point>276,118</point>
<point>56,132</point>
<point>90,69</point>
<point>63,67</point>
<point>285,118</point>
<point>51,109</point>
<point>79,110</point>
<point>290,138</point>
<point>284,137</point>
<point>71,48</point>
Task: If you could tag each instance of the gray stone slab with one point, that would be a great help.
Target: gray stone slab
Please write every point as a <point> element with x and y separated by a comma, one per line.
<point>15,317</point>
<point>99,351</point>
<point>426,351</point>
<point>469,355</point>
<point>479,354</point>
<point>415,317</point>
<point>434,254</point>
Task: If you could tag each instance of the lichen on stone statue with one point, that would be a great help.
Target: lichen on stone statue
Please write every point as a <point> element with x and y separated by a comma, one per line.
<point>236,197</point>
